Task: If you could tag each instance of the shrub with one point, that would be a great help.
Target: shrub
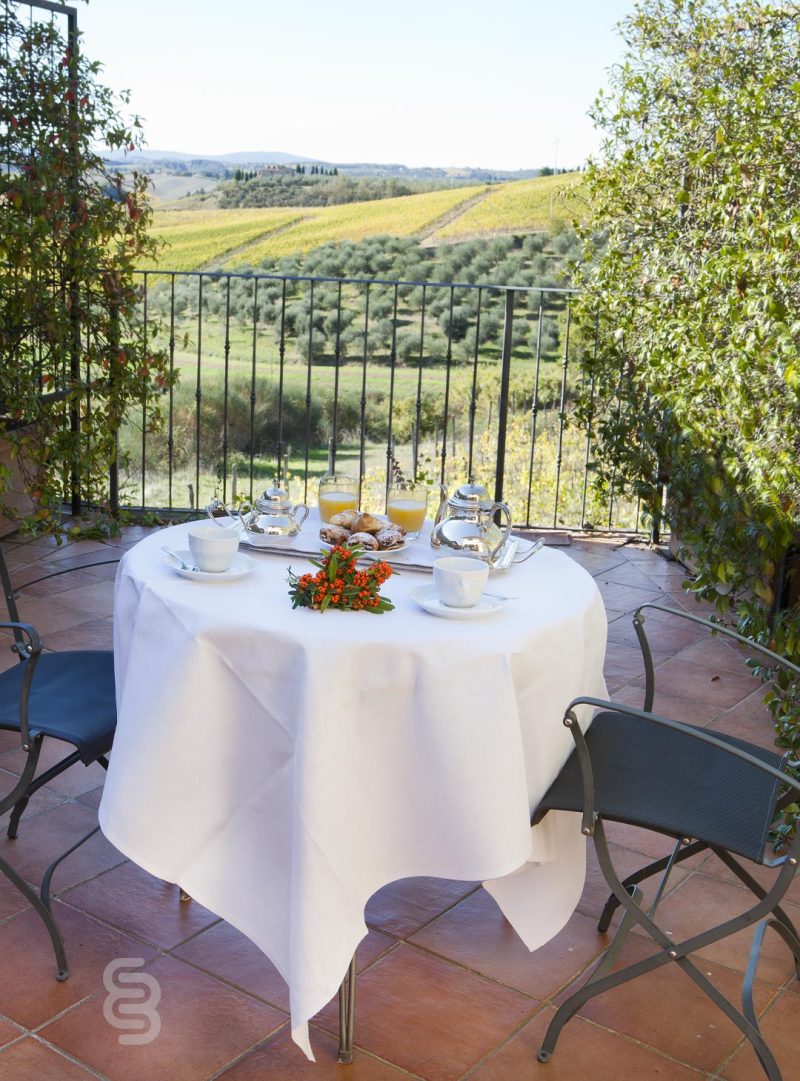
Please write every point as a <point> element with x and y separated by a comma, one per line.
<point>71,233</point>
<point>697,382</point>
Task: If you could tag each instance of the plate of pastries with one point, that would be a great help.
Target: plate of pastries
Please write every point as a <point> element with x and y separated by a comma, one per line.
<point>373,532</point>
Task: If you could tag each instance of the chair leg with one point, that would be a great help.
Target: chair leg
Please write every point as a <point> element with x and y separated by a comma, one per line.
<point>748,1006</point>
<point>24,786</point>
<point>654,868</point>
<point>35,784</point>
<point>48,875</point>
<point>62,969</point>
<point>598,980</point>
<point>16,815</point>
<point>594,986</point>
<point>748,1009</point>
<point>609,957</point>
<point>347,1014</point>
<point>677,953</point>
<point>778,913</point>
<point>791,940</point>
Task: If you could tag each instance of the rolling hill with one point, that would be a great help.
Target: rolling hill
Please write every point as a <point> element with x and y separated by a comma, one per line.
<point>205,239</point>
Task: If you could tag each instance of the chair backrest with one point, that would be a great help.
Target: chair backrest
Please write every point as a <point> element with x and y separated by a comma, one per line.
<point>767,766</point>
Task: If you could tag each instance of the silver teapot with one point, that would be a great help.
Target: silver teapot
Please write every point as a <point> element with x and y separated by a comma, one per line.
<point>465,523</point>
<point>272,518</point>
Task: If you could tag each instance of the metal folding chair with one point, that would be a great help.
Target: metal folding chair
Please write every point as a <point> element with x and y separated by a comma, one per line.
<point>67,696</point>
<point>709,792</point>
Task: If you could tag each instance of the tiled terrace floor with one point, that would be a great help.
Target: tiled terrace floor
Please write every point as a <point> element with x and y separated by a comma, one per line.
<point>446,989</point>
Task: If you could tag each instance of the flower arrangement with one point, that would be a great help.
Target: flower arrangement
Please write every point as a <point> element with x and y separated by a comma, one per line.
<point>339,583</point>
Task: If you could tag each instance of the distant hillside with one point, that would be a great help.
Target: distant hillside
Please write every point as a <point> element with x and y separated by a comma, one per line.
<point>248,157</point>
<point>223,164</point>
<point>285,187</point>
<point>167,187</point>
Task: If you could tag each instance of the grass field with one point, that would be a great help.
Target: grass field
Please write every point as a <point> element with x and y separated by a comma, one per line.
<point>197,239</point>
<point>201,238</point>
<point>521,207</point>
<point>401,216</point>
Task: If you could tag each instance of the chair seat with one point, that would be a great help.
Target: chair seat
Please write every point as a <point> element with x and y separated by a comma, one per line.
<point>72,699</point>
<point>655,777</point>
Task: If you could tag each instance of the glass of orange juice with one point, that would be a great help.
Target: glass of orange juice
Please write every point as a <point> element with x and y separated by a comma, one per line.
<point>337,492</point>
<point>406,505</point>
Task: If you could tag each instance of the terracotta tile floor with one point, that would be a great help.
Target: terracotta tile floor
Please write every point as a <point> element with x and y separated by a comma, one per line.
<point>446,990</point>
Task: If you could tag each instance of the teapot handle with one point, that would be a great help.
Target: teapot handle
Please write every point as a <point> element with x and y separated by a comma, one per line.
<point>217,505</point>
<point>304,509</point>
<point>504,509</point>
<point>245,510</point>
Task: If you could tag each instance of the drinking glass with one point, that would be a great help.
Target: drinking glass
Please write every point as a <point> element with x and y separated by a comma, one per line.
<point>337,492</point>
<point>406,505</point>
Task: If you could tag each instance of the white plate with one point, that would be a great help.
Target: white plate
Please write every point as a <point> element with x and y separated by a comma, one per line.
<point>425,597</point>
<point>376,553</point>
<point>240,566</point>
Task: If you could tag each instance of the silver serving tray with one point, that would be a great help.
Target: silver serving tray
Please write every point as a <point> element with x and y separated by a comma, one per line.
<point>279,548</point>
<point>505,557</point>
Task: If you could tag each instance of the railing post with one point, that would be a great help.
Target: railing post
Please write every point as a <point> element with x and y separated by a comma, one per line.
<point>505,382</point>
<point>113,350</point>
<point>72,272</point>
<point>661,479</point>
<point>655,530</point>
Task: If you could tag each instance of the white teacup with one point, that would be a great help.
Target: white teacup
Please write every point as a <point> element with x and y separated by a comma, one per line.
<point>459,580</point>
<point>213,547</point>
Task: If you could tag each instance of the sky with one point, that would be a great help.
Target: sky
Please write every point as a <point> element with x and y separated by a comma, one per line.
<point>502,84</point>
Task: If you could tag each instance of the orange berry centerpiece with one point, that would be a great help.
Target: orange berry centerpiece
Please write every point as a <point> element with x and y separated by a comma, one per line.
<point>339,583</point>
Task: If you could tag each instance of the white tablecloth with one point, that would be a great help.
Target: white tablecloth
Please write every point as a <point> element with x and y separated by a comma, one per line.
<point>284,765</point>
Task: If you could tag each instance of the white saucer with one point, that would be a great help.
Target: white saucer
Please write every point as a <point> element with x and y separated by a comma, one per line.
<point>241,565</point>
<point>425,597</point>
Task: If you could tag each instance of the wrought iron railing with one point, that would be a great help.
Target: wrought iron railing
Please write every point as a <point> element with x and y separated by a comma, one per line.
<point>290,376</point>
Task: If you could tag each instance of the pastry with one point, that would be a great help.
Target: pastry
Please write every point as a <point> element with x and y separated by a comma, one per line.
<point>334,534</point>
<point>366,540</point>
<point>344,518</point>
<point>367,523</point>
<point>391,536</point>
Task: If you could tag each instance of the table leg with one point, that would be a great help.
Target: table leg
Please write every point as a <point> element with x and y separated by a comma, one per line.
<point>347,1013</point>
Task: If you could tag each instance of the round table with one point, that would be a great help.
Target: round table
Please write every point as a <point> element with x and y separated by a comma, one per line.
<point>282,765</point>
